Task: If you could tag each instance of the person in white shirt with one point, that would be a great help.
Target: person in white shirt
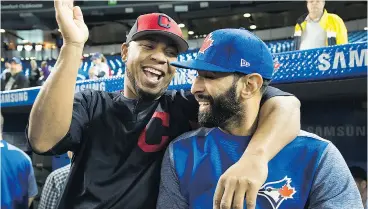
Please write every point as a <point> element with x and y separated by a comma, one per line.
<point>99,67</point>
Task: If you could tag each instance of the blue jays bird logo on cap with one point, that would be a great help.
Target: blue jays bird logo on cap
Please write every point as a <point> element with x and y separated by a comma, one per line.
<point>207,43</point>
<point>277,192</point>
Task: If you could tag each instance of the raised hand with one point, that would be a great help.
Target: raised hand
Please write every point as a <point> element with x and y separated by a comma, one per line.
<point>71,23</point>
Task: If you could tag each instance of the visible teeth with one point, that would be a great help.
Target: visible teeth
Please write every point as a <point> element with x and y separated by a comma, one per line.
<point>204,103</point>
<point>154,71</point>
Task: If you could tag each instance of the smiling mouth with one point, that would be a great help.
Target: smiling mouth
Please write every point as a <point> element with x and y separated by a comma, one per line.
<point>152,74</point>
<point>204,103</point>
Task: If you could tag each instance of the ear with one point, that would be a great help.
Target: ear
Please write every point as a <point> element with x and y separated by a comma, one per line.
<point>250,85</point>
<point>124,52</point>
<point>363,184</point>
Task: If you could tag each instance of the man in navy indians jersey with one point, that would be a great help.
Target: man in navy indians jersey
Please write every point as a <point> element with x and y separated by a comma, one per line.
<point>307,173</point>
<point>119,139</point>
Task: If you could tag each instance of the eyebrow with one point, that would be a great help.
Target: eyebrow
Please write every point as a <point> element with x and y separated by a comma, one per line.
<point>156,40</point>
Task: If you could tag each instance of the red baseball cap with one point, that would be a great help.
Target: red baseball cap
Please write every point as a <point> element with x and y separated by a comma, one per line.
<point>158,23</point>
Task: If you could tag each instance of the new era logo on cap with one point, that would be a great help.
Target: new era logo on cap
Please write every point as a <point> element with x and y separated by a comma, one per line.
<point>244,63</point>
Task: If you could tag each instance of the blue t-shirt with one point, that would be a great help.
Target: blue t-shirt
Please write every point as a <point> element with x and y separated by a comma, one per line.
<point>17,177</point>
<point>307,173</point>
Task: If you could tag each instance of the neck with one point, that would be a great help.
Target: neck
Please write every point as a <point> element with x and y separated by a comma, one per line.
<point>315,16</point>
<point>128,92</point>
<point>245,126</point>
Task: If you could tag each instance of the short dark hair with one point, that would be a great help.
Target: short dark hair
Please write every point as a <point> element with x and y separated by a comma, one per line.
<point>358,173</point>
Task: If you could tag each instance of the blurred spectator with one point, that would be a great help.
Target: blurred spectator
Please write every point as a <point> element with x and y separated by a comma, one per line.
<point>99,68</point>
<point>18,183</point>
<point>45,71</point>
<point>360,177</point>
<point>53,187</point>
<point>319,28</point>
<point>17,80</point>
<point>34,75</point>
<point>6,72</point>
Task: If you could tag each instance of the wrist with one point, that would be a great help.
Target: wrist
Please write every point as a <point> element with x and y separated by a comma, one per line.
<point>259,153</point>
<point>77,46</point>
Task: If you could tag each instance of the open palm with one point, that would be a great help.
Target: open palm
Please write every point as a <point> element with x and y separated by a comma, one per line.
<point>71,23</point>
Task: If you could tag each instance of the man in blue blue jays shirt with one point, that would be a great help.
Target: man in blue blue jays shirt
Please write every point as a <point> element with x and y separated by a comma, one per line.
<point>18,183</point>
<point>234,67</point>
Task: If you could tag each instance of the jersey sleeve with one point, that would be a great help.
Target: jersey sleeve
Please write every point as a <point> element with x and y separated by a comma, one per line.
<point>170,195</point>
<point>32,185</point>
<point>273,92</point>
<point>334,186</point>
<point>80,118</point>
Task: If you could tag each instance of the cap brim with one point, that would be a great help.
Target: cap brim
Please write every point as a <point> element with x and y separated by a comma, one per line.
<point>179,41</point>
<point>200,65</point>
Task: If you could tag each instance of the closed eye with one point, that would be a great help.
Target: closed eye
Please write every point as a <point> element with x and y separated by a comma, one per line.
<point>207,75</point>
<point>147,46</point>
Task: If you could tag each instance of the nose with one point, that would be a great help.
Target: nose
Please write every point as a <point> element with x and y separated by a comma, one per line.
<point>197,86</point>
<point>159,56</point>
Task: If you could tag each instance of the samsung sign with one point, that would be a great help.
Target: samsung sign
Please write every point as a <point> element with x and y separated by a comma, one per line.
<point>14,97</point>
<point>340,60</point>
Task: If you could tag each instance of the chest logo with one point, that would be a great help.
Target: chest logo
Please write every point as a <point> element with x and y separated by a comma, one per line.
<point>277,192</point>
<point>154,136</point>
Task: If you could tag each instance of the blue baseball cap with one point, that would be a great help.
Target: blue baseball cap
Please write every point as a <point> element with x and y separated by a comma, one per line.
<point>16,60</point>
<point>232,50</point>
<point>96,56</point>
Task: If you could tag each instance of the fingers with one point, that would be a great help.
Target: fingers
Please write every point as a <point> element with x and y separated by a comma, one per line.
<point>239,195</point>
<point>251,196</point>
<point>227,187</point>
<point>220,188</point>
<point>77,13</point>
<point>230,193</point>
<point>57,4</point>
<point>227,198</point>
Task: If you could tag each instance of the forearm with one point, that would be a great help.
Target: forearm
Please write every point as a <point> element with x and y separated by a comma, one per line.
<point>278,125</point>
<point>51,114</point>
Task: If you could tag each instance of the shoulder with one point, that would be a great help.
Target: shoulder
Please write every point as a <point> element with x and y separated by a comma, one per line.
<point>19,153</point>
<point>311,142</point>
<point>191,135</point>
<point>273,92</point>
<point>17,156</point>
<point>333,16</point>
<point>313,136</point>
<point>90,95</point>
<point>175,95</point>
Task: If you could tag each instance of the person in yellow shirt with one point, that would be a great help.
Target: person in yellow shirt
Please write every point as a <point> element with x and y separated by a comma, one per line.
<point>319,28</point>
